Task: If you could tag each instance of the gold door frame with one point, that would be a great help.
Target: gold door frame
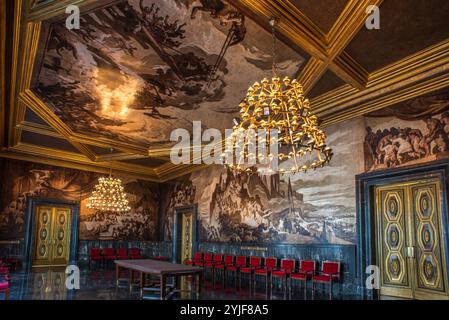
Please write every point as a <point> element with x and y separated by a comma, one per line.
<point>407,224</point>
<point>184,232</point>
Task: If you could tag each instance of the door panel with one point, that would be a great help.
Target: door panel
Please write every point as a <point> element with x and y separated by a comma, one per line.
<point>410,249</point>
<point>52,239</point>
<point>391,224</point>
<point>43,252</point>
<point>426,212</point>
<point>61,235</point>
<point>186,249</point>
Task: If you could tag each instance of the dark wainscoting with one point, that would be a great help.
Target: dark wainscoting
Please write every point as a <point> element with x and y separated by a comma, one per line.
<point>346,254</point>
<point>148,249</point>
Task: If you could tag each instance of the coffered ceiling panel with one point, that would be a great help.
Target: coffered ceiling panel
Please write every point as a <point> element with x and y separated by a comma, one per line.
<point>323,13</point>
<point>40,140</point>
<point>328,81</point>
<point>406,27</point>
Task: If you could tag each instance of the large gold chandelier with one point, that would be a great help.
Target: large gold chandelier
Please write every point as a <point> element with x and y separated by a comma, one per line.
<point>277,106</point>
<point>109,196</point>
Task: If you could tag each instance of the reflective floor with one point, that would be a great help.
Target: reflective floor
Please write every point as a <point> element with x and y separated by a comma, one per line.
<point>50,284</point>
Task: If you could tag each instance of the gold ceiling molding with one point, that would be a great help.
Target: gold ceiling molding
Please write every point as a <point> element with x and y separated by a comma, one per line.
<point>401,75</point>
<point>393,97</point>
<point>324,49</point>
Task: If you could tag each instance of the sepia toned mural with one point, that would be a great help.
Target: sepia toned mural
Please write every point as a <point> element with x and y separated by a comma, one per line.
<point>24,180</point>
<point>137,69</point>
<point>412,132</point>
<point>317,207</point>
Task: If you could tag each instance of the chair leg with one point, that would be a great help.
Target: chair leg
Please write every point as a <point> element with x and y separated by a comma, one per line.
<point>305,289</point>
<point>313,290</point>
<point>330,290</point>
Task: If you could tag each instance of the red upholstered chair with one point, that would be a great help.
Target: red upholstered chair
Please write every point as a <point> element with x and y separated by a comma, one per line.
<point>122,254</point>
<point>254,263</point>
<point>228,261</point>
<point>4,281</point>
<point>240,261</point>
<point>134,253</point>
<point>197,257</point>
<point>4,288</point>
<point>306,270</point>
<point>109,255</point>
<point>270,264</point>
<point>208,258</point>
<point>95,255</point>
<point>330,273</point>
<point>287,267</point>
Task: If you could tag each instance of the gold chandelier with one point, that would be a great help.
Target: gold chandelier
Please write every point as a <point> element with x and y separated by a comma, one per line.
<point>108,196</point>
<point>278,106</point>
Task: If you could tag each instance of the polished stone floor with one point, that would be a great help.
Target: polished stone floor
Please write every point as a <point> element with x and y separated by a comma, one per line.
<point>49,284</point>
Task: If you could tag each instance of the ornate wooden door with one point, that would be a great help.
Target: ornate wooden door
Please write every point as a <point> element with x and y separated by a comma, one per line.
<point>43,236</point>
<point>392,241</point>
<point>61,235</point>
<point>429,261</point>
<point>186,243</point>
<point>409,247</point>
<point>52,236</point>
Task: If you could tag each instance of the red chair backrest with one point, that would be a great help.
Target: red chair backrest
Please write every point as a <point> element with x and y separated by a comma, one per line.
<point>208,257</point>
<point>134,251</point>
<point>331,267</point>
<point>271,263</point>
<point>108,251</point>
<point>198,256</point>
<point>288,264</point>
<point>218,258</point>
<point>307,265</point>
<point>229,259</point>
<point>240,261</point>
<point>95,252</point>
<point>122,252</point>
<point>255,261</point>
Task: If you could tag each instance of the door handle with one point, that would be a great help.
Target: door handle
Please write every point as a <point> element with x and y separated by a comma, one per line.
<point>410,252</point>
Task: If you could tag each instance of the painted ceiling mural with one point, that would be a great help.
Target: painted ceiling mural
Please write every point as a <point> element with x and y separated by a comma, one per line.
<point>27,180</point>
<point>318,207</point>
<point>412,132</point>
<point>138,69</point>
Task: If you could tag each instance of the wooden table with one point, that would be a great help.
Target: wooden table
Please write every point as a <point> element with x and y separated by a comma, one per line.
<point>161,269</point>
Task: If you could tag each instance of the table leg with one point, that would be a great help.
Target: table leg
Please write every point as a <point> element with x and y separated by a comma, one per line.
<point>163,279</point>
<point>131,280</point>
<point>117,274</point>
<point>198,291</point>
<point>142,283</point>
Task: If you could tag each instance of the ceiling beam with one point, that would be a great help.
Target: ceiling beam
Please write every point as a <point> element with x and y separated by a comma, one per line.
<point>408,72</point>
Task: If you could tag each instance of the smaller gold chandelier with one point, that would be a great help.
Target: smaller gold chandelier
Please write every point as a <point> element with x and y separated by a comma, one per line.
<point>108,196</point>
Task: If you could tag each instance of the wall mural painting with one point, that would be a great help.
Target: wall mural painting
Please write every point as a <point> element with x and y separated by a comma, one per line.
<point>22,180</point>
<point>138,69</point>
<point>318,207</point>
<point>413,132</point>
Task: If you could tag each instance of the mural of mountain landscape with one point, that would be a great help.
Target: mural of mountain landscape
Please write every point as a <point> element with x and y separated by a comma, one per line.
<point>412,132</point>
<point>28,180</point>
<point>299,208</point>
<point>138,69</point>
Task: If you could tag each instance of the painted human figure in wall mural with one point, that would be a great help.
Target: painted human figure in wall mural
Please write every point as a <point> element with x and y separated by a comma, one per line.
<point>410,140</point>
